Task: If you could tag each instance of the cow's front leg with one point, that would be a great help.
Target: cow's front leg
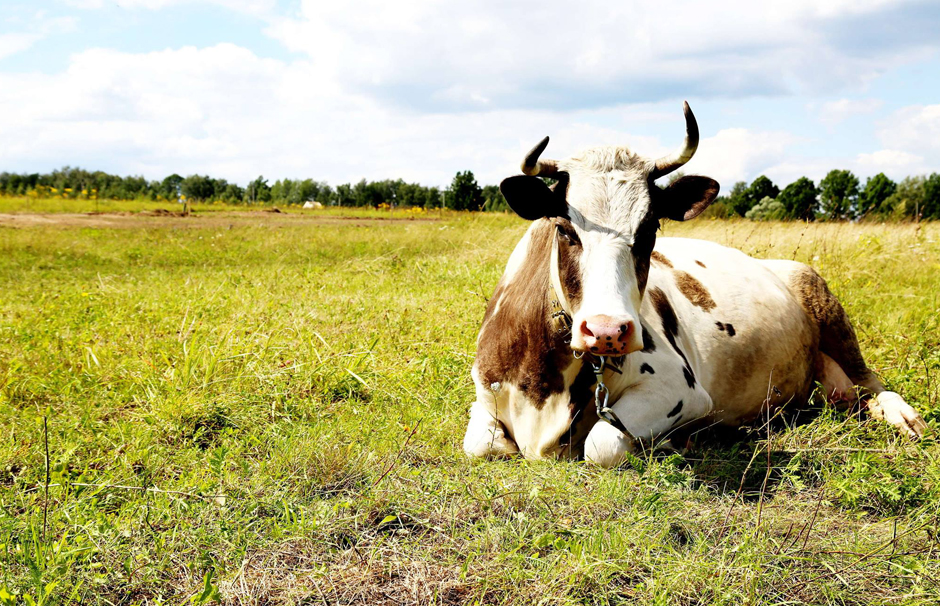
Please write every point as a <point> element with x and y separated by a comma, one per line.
<point>649,410</point>
<point>607,446</point>
<point>486,436</point>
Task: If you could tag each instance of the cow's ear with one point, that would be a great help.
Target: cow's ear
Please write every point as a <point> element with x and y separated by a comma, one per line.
<point>532,199</point>
<point>686,197</point>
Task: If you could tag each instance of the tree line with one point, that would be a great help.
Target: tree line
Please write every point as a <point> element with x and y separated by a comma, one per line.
<point>840,195</point>
<point>68,182</point>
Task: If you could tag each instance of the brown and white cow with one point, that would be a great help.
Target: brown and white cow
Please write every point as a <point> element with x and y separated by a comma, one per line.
<point>695,331</point>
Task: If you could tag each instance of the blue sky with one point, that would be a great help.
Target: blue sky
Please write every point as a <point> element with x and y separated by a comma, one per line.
<point>422,89</point>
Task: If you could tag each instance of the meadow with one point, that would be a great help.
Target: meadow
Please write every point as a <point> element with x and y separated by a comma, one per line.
<point>267,408</point>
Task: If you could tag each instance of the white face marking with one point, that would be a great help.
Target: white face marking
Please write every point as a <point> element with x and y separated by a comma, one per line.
<point>606,208</point>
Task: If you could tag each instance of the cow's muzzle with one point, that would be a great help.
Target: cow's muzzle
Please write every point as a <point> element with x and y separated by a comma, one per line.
<point>606,335</point>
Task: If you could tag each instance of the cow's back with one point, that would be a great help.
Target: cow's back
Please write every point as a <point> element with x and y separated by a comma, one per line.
<point>745,334</point>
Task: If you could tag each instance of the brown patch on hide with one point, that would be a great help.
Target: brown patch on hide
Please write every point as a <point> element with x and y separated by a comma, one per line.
<point>837,338</point>
<point>697,262</point>
<point>641,267</point>
<point>676,410</point>
<point>671,328</point>
<point>694,291</point>
<point>661,259</point>
<point>649,346</point>
<point>729,328</point>
<point>517,343</point>
<point>569,256</point>
<point>644,239</point>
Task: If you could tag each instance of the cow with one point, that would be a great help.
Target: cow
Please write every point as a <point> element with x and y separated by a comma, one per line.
<point>678,332</point>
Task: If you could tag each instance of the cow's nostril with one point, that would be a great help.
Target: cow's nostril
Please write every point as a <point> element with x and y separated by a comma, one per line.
<point>585,330</point>
<point>626,330</point>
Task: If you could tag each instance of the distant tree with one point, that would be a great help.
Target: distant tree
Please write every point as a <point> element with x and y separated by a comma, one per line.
<point>464,193</point>
<point>344,195</point>
<point>768,209</point>
<point>838,195</point>
<point>907,199</point>
<point>799,199</point>
<point>307,190</point>
<point>493,199</point>
<point>258,191</point>
<point>170,186</point>
<point>361,193</point>
<point>232,194</point>
<point>381,192</point>
<point>279,191</point>
<point>197,187</point>
<point>738,200</point>
<point>762,187</point>
<point>932,197</point>
<point>325,194</point>
<point>719,209</point>
<point>433,198</point>
<point>871,200</point>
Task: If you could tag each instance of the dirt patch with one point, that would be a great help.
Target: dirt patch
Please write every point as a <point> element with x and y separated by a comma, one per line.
<point>173,219</point>
<point>296,572</point>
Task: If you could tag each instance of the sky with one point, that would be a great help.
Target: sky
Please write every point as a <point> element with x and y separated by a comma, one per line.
<point>420,89</point>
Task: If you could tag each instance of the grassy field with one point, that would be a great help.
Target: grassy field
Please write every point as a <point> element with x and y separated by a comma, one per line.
<point>266,409</point>
<point>22,205</point>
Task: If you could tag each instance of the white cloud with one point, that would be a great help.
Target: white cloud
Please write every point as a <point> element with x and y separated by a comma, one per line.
<point>915,128</point>
<point>739,154</point>
<point>894,163</point>
<point>10,44</point>
<point>421,89</point>
<point>834,112</point>
<point>449,56</point>
<point>41,27</point>
<point>245,6</point>
<point>225,111</point>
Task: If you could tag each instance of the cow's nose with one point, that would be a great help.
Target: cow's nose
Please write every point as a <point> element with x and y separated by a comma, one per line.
<point>607,335</point>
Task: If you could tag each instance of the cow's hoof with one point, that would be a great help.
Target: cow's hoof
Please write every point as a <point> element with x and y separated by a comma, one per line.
<point>606,446</point>
<point>891,408</point>
<point>488,440</point>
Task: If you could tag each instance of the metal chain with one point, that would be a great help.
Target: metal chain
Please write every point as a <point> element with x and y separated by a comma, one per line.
<point>602,395</point>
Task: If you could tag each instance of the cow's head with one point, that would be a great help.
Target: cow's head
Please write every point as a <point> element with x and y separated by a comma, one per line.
<point>606,209</point>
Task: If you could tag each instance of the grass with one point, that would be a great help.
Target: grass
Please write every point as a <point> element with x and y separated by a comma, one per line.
<point>29,205</point>
<point>268,412</point>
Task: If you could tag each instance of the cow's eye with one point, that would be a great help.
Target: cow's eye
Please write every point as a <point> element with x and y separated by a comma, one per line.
<point>570,238</point>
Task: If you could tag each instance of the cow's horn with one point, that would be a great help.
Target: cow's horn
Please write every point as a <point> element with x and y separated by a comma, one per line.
<point>671,162</point>
<point>532,166</point>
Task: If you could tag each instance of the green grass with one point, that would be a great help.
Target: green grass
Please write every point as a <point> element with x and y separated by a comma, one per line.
<point>28,205</point>
<point>268,412</point>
